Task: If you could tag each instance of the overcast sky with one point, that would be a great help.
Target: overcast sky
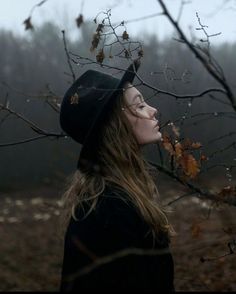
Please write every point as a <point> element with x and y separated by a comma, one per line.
<point>219,15</point>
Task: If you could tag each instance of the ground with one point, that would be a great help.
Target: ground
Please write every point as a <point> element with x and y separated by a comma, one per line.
<point>31,246</point>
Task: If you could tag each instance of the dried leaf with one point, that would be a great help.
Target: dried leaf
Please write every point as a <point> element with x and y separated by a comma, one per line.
<point>100,56</point>
<point>187,143</point>
<point>28,24</point>
<point>74,99</point>
<point>189,165</point>
<point>166,141</point>
<point>125,35</point>
<point>79,20</point>
<point>95,41</point>
<point>196,145</point>
<point>203,157</point>
<point>178,150</point>
<point>175,130</point>
<point>100,28</point>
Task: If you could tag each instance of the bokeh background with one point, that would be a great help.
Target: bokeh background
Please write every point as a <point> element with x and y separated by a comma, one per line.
<point>33,66</point>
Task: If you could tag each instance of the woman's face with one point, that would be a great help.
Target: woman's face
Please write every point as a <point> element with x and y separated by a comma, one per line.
<point>141,116</point>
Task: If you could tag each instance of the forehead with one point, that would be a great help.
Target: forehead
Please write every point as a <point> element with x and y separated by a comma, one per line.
<point>132,94</point>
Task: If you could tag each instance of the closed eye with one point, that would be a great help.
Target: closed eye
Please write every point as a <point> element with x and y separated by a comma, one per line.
<point>141,106</point>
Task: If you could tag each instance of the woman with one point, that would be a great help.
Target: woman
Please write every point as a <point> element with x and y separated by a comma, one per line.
<point>118,235</point>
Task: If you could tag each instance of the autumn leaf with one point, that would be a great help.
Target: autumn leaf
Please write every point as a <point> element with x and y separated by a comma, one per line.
<point>203,157</point>
<point>100,56</point>
<point>187,143</point>
<point>74,99</point>
<point>95,41</point>
<point>125,35</point>
<point>79,20</point>
<point>196,145</point>
<point>175,130</point>
<point>166,141</point>
<point>178,150</point>
<point>189,165</point>
<point>28,24</point>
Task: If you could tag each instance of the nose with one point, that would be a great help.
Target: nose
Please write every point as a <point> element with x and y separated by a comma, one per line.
<point>153,112</point>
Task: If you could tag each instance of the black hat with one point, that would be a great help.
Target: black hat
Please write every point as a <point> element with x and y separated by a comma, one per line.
<point>86,102</point>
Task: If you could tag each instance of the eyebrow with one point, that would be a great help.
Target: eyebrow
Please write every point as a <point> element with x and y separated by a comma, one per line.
<point>135,98</point>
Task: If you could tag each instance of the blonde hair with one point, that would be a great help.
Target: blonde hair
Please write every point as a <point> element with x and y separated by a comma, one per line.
<point>121,164</point>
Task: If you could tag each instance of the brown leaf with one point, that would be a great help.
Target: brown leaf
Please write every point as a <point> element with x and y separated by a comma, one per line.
<point>187,143</point>
<point>196,145</point>
<point>28,24</point>
<point>175,130</point>
<point>79,20</point>
<point>178,150</point>
<point>74,99</point>
<point>203,157</point>
<point>166,141</point>
<point>125,36</point>
<point>100,56</point>
<point>189,165</point>
<point>95,41</point>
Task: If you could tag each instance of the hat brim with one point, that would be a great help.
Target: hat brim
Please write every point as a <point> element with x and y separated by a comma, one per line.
<point>85,158</point>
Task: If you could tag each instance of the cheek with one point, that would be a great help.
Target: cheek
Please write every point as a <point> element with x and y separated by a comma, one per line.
<point>144,131</point>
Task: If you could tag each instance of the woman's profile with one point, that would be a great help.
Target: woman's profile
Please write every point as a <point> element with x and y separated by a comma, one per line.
<point>117,235</point>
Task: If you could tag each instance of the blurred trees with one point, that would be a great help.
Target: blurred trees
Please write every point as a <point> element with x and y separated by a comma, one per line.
<point>34,67</point>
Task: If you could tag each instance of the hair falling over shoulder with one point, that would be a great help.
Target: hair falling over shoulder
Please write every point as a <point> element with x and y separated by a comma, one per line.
<point>120,163</point>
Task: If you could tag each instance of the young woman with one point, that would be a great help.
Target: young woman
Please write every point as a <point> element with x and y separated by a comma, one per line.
<point>117,238</point>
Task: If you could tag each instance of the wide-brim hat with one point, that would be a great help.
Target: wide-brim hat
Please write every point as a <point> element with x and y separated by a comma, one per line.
<point>85,105</point>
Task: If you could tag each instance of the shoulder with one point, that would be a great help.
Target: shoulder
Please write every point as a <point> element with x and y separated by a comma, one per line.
<point>113,204</point>
<point>116,204</point>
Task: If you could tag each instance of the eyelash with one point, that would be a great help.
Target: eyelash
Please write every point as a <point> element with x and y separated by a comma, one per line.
<point>141,106</point>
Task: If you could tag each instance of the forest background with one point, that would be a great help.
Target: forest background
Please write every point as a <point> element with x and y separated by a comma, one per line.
<point>34,74</point>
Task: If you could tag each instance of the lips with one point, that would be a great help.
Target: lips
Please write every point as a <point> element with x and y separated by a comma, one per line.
<point>156,125</point>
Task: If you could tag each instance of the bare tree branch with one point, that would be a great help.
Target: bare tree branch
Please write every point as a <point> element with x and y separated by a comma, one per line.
<point>208,66</point>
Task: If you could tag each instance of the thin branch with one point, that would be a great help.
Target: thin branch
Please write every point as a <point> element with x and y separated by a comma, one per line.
<point>201,192</point>
<point>68,55</point>
<point>91,61</point>
<point>117,255</point>
<point>209,67</point>
<point>32,139</point>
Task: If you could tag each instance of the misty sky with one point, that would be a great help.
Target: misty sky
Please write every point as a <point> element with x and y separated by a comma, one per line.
<point>219,15</point>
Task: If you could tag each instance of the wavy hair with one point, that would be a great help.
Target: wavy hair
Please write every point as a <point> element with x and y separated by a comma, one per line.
<point>120,163</point>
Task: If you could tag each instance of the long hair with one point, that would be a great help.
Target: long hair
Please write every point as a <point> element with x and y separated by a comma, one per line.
<point>120,163</point>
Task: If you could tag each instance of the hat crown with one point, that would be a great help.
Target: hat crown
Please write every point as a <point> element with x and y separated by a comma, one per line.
<point>82,101</point>
<point>85,105</point>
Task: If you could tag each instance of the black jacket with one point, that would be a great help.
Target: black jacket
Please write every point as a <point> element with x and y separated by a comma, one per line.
<point>113,226</point>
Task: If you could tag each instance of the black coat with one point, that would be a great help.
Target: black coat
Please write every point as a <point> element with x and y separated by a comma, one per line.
<point>114,226</point>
